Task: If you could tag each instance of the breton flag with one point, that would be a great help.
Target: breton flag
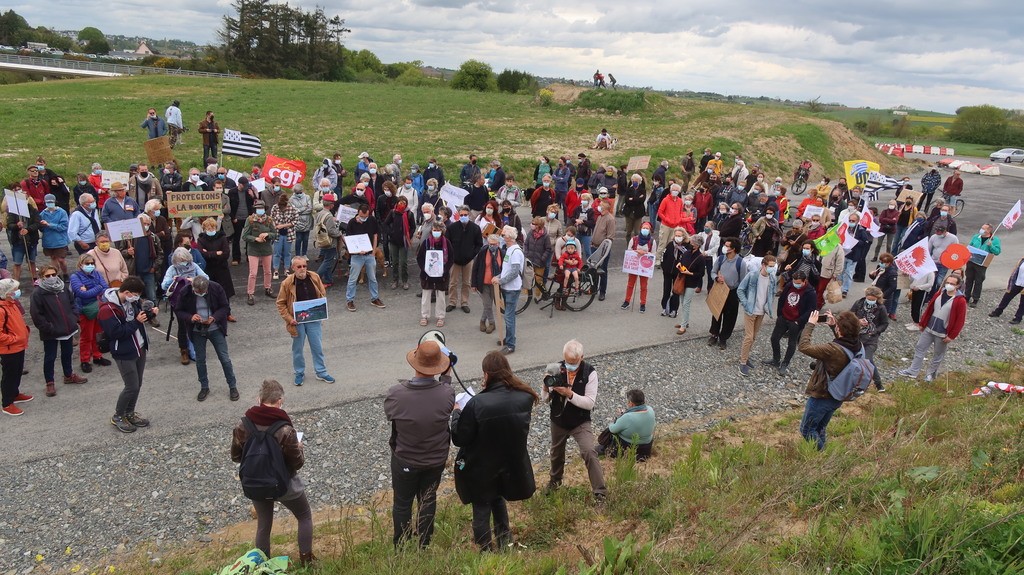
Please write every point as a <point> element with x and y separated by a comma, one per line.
<point>241,144</point>
<point>876,183</point>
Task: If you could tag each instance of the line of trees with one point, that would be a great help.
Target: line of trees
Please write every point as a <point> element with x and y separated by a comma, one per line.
<point>988,125</point>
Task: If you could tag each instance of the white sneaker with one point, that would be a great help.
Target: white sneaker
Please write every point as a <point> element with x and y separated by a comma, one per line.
<point>911,326</point>
<point>907,373</point>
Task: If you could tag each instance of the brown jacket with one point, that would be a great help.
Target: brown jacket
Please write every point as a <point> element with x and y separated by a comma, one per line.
<point>286,297</point>
<point>294,457</point>
<point>831,360</point>
<point>603,229</point>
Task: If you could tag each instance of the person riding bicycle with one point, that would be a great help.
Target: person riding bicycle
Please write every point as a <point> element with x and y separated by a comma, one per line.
<point>805,168</point>
<point>570,264</point>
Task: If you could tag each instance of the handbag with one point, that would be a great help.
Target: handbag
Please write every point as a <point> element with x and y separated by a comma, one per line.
<point>679,285</point>
<point>91,309</point>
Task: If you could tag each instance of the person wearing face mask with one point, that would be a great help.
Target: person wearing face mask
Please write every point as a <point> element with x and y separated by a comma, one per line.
<point>470,173</point>
<point>82,186</point>
<point>584,217</point>
<point>767,233</point>
<point>720,214</point>
<point>486,266</point>
<point>715,164</point>
<point>35,186</point>
<point>211,135</point>
<point>364,223</point>
<point>216,250</point>
<point>283,217</point>
<point>938,242</point>
<point>671,214</point>
<point>542,169</point>
<point>87,285</point>
<point>632,200</point>
<point>542,197</point>
<point>109,261</point>
<point>804,258</point>
<point>642,244</point>
<point>941,323</point>
<point>399,226</point>
<point>831,358</point>
<point>710,243</point>
<point>327,235</point>
<point>874,320</point>
<point>431,193</point>
<point>54,318</point>
<point>733,224</point>
<point>561,178</point>
<point>466,241</point>
<point>572,401</point>
<point>679,260</point>
<point>341,171</point>
<point>658,192</point>
<point>986,241</point>
<point>327,170</point>
<point>539,249</point>
<point>887,221</point>
<point>885,278</point>
<point>415,177</point>
<point>426,224</point>
<point>756,293</point>
<point>145,185</point>
<point>856,255</point>
<point>120,206</point>
<point>940,215</point>
<point>195,182</point>
<point>54,223</point>
<point>704,203</point>
<point>361,194</point>
<point>303,206</point>
<point>797,301</point>
<point>123,322</point>
<point>23,235</point>
<point>433,283</point>
<point>272,192</point>
<point>147,260</point>
<point>181,272</point>
<point>259,234</point>
<point>487,221</point>
<point>203,307</point>
<point>13,343</point>
<point>729,269</point>
<point>573,198</point>
<point>412,197</point>
<point>170,178</point>
<point>363,165</point>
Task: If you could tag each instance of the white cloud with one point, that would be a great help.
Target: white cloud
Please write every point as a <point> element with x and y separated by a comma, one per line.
<point>876,52</point>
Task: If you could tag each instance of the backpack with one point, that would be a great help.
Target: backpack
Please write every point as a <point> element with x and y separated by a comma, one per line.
<point>322,238</point>
<point>263,472</point>
<point>175,291</point>
<point>854,379</point>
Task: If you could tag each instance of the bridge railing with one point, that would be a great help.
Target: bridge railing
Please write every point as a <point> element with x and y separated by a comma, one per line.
<point>125,69</point>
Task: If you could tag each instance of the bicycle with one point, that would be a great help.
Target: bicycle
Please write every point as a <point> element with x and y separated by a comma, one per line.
<point>956,202</point>
<point>548,292</point>
<point>800,182</point>
<point>746,239</point>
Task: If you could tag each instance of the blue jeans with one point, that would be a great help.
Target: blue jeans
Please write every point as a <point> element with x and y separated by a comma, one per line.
<point>50,357</point>
<point>356,264</point>
<point>511,298</point>
<point>330,256</point>
<point>585,244</point>
<point>817,414</point>
<point>940,275</point>
<point>891,303</point>
<point>220,347</point>
<point>849,267</point>
<point>149,280</point>
<point>301,243</point>
<point>314,332</point>
<point>282,253</point>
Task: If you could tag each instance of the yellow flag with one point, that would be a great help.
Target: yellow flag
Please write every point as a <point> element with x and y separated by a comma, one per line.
<point>857,172</point>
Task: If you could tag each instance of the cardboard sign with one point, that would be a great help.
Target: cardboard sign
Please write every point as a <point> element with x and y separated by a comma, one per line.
<point>716,298</point>
<point>158,150</point>
<point>125,230</point>
<point>109,177</point>
<point>980,257</point>
<point>638,163</point>
<point>193,204</point>
<point>913,195</point>
<point>639,265</point>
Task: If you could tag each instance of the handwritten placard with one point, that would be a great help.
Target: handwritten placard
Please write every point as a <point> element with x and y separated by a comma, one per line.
<point>193,204</point>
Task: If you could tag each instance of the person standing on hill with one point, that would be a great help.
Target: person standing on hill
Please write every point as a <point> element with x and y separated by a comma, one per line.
<point>941,323</point>
<point>174,125</point>
<point>831,359</point>
<point>154,125</point>
<point>210,131</point>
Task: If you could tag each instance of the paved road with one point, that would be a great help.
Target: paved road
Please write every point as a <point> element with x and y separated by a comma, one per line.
<point>366,350</point>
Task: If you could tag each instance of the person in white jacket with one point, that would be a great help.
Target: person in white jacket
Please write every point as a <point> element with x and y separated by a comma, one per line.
<point>709,244</point>
<point>408,192</point>
<point>919,288</point>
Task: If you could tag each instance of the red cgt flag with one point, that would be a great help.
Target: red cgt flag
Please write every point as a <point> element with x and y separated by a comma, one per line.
<point>291,172</point>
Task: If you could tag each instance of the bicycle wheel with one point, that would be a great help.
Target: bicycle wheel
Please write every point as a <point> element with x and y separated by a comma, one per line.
<point>527,291</point>
<point>958,206</point>
<point>580,300</point>
<point>799,186</point>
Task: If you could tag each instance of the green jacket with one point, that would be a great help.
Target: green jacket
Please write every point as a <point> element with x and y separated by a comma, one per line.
<point>991,245</point>
<point>252,229</point>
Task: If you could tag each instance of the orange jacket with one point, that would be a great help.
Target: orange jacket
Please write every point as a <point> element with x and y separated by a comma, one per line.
<point>13,330</point>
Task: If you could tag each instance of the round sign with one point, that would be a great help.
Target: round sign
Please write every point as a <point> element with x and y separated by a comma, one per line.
<point>955,256</point>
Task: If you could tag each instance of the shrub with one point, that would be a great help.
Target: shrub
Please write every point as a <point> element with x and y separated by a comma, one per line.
<point>546,97</point>
<point>619,101</point>
<point>475,75</point>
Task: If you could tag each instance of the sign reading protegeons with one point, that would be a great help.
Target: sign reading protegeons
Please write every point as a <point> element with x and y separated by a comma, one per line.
<point>193,204</point>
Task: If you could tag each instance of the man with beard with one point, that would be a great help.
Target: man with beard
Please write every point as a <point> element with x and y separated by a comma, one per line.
<point>144,186</point>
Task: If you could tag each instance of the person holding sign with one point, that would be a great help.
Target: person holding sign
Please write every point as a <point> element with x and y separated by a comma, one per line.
<point>984,241</point>
<point>23,232</point>
<point>258,233</point>
<point>642,244</point>
<point>434,257</point>
<point>363,257</point>
<point>303,285</point>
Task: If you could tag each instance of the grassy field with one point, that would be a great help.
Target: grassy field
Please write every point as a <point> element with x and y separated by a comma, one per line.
<point>76,122</point>
<point>916,117</point>
<point>923,480</point>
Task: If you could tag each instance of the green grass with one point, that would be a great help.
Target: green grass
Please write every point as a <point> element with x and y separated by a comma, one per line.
<point>925,480</point>
<point>76,122</point>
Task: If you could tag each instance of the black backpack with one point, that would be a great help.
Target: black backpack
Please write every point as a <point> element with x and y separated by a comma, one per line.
<point>263,472</point>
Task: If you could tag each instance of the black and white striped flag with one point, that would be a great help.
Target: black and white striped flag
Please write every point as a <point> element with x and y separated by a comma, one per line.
<point>241,144</point>
<point>876,183</point>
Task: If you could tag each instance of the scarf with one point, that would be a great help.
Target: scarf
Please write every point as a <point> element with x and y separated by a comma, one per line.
<point>53,284</point>
<point>537,234</point>
<point>400,210</point>
<point>642,240</point>
<point>495,259</point>
<point>266,416</point>
<point>432,244</point>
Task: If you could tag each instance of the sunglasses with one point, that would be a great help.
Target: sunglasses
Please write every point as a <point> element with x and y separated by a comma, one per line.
<point>49,275</point>
<point>298,267</point>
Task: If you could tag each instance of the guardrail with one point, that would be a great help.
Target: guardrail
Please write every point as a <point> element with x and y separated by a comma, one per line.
<point>123,69</point>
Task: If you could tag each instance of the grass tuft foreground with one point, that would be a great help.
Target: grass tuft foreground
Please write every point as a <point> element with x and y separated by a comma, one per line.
<point>925,479</point>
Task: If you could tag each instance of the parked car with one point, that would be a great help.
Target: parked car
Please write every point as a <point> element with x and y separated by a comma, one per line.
<point>1008,155</point>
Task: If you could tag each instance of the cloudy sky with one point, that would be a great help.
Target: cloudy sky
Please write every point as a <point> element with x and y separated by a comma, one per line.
<point>869,53</point>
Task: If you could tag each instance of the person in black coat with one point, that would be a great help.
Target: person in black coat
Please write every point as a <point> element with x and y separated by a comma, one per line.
<point>435,172</point>
<point>679,252</point>
<point>493,465</point>
<point>466,240</point>
<point>207,322</point>
<point>56,320</point>
<point>733,225</point>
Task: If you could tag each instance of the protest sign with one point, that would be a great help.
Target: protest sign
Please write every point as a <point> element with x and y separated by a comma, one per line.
<point>435,263</point>
<point>909,195</point>
<point>17,202</point>
<point>453,196</point>
<point>811,211</point>
<point>346,213</point>
<point>358,244</point>
<point>310,310</point>
<point>716,298</point>
<point>980,257</point>
<point>638,163</point>
<point>109,177</point>
<point>125,230</point>
<point>158,151</point>
<point>915,261</point>
<point>193,204</point>
<point>636,264</point>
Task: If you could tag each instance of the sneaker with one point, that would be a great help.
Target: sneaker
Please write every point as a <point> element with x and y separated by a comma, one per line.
<point>203,394</point>
<point>600,498</point>
<point>277,276</point>
<point>137,420</point>
<point>122,424</point>
<point>664,313</point>
<point>394,285</point>
<point>449,309</point>
<point>379,304</point>
<point>881,388</point>
<point>350,306</point>
<point>600,297</point>
<point>102,361</point>
<point>972,304</point>
<point>750,364</point>
<point>405,286</point>
<point>783,369</point>
<point>995,313</point>
<point>721,345</point>
<point>911,327</point>
<point>325,377</point>
<point>1015,321</point>
<point>744,370</point>
<point>267,292</point>
<point>907,373</point>
<point>506,350</point>
<point>249,299</point>
<point>892,316</point>
<point>929,378</point>
<point>233,394</point>
<point>22,398</point>
<point>74,378</point>
<point>13,410</point>
<point>86,367</point>
<point>672,314</point>
<point>625,305</point>
<point>299,377</point>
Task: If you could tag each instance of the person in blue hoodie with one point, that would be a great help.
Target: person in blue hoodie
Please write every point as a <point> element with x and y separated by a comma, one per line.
<point>53,221</point>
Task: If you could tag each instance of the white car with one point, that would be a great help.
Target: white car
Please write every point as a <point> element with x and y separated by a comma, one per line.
<point>1008,155</point>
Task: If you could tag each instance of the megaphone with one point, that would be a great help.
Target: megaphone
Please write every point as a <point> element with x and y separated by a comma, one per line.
<point>438,336</point>
<point>432,335</point>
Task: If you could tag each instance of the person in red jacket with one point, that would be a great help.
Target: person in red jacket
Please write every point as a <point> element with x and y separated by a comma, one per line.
<point>941,323</point>
<point>35,185</point>
<point>953,186</point>
<point>704,201</point>
<point>670,214</point>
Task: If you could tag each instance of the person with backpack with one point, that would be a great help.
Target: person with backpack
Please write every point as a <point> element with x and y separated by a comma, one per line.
<point>326,234</point>
<point>729,269</point>
<point>874,320</point>
<point>267,446</point>
<point>832,360</point>
<point>124,327</point>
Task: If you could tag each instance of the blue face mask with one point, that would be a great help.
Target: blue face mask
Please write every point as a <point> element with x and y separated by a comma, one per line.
<point>51,204</point>
<point>798,285</point>
<point>807,252</point>
<point>464,219</point>
<point>870,303</point>
<point>88,268</point>
<point>17,293</point>
<point>436,234</point>
<point>156,212</point>
<point>211,234</point>
<point>645,232</point>
<point>221,177</point>
<point>260,212</point>
<point>572,366</point>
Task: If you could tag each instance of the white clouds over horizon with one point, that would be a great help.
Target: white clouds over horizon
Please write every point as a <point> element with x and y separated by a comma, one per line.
<point>874,53</point>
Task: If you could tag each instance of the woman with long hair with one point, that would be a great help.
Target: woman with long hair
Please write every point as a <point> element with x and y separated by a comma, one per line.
<point>493,465</point>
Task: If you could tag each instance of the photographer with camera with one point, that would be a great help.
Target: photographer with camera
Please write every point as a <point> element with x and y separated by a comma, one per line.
<point>123,321</point>
<point>570,386</point>
<point>418,410</point>
<point>204,308</point>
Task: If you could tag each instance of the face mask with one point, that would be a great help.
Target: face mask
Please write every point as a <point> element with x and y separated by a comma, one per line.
<point>944,213</point>
<point>636,184</point>
<point>260,211</point>
<point>337,162</point>
<point>167,170</point>
<point>645,232</point>
<point>552,215</point>
<point>82,182</point>
<point>547,184</point>
<point>464,219</point>
<point>675,193</point>
<point>132,298</point>
<point>104,246</point>
<point>89,268</point>
<point>572,366</point>
<point>194,179</point>
<point>798,285</point>
<point>870,303</point>
<point>361,219</point>
<point>428,216</point>
<point>489,211</point>
<point>951,288</point>
<point>771,269</point>
<point>97,172</point>
<point>88,207</point>
<point>431,188</point>
<point>769,216</point>
<point>436,234</point>
<point>399,162</point>
<point>360,193</point>
<point>734,211</point>
<point>678,239</point>
<point>219,176</point>
<point>584,205</point>
<point>211,234</point>
<point>373,170</point>
<point>687,203</point>
<point>892,206</point>
<point>388,194</point>
<point>492,247</point>
<point>51,204</point>
<point>145,228</point>
<point>708,230</point>
<point>17,293</point>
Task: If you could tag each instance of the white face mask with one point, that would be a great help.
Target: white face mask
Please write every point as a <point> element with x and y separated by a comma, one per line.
<point>428,216</point>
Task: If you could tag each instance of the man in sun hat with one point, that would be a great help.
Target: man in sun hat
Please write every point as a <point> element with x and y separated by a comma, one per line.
<point>418,410</point>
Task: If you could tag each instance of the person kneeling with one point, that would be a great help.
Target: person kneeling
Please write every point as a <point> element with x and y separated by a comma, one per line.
<point>633,428</point>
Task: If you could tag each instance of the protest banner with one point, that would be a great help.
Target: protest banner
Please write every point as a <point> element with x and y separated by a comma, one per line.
<point>1012,216</point>
<point>453,196</point>
<point>636,264</point>
<point>869,222</point>
<point>17,203</point>
<point>857,172</point>
<point>110,176</point>
<point>193,204</point>
<point>915,261</point>
<point>638,163</point>
<point>158,151</point>
<point>291,172</point>
<point>125,230</point>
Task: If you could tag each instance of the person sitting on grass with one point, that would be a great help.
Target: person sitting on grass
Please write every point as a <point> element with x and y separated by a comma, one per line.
<point>633,428</point>
<point>570,264</point>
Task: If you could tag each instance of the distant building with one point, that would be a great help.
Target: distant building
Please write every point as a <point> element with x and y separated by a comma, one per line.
<point>144,49</point>
<point>899,113</point>
<point>37,46</point>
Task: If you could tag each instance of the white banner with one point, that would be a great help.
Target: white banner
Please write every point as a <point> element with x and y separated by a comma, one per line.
<point>1012,216</point>
<point>109,177</point>
<point>915,261</point>
<point>636,264</point>
<point>453,196</point>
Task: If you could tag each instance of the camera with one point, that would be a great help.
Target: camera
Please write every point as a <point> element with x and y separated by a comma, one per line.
<point>556,380</point>
<point>147,308</point>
